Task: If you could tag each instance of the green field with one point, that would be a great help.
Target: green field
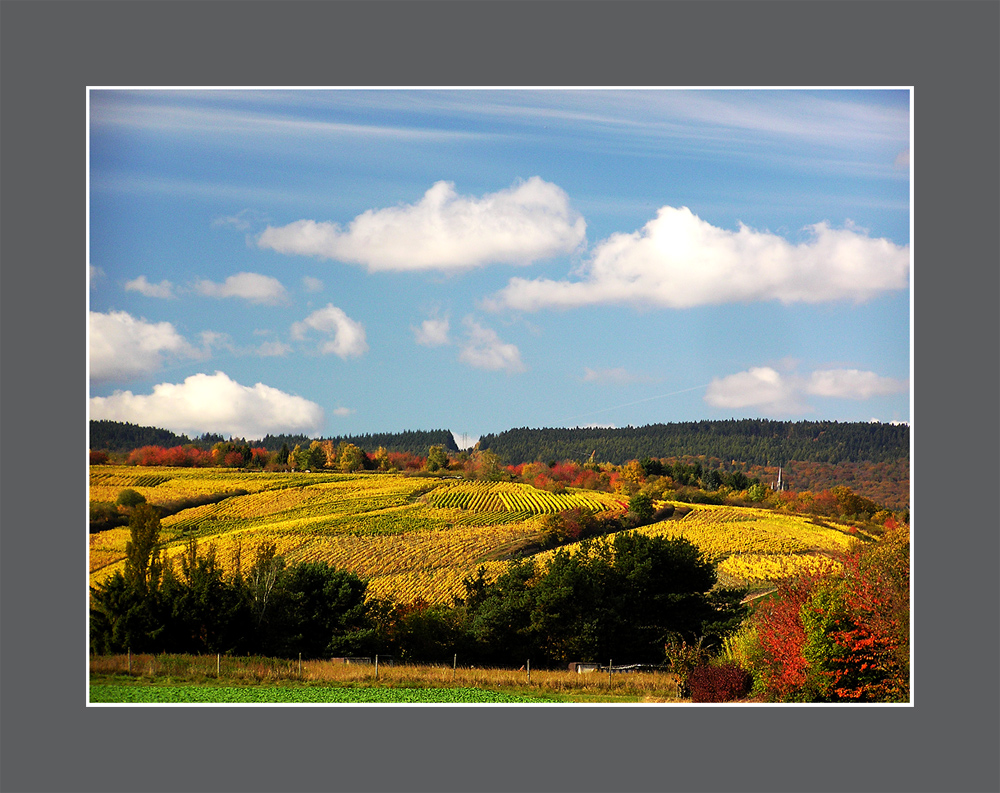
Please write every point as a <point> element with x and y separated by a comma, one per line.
<point>175,678</point>
<point>420,537</point>
<point>159,694</point>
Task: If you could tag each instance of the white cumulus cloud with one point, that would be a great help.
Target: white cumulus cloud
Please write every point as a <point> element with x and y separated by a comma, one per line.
<point>432,333</point>
<point>782,394</point>
<point>123,347</point>
<point>678,260</point>
<point>164,289</point>
<point>249,286</point>
<point>762,388</point>
<point>852,384</point>
<point>348,335</point>
<point>529,221</point>
<point>213,403</point>
<point>483,349</point>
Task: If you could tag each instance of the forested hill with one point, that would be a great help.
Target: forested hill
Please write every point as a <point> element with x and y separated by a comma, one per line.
<point>751,441</point>
<point>119,436</point>
<point>412,441</point>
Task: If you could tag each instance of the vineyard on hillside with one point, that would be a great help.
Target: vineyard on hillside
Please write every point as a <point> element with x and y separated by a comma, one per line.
<point>420,537</point>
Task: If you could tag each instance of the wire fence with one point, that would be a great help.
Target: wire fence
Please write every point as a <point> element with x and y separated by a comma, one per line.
<point>655,681</point>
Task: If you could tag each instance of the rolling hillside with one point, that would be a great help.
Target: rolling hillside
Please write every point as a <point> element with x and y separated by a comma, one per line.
<point>419,537</point>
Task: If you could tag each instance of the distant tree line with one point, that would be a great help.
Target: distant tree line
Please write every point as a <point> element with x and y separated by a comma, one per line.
<point>121,438</point>
<point>409,441</point>
<point>750,441</point>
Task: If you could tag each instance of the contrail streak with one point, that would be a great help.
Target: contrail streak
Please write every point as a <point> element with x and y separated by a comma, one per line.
<point>647,399</point>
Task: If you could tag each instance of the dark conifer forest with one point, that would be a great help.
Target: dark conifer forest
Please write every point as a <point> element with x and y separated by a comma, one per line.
<point>122,437</point>
<point>753,442</point>
<point>749,441</point>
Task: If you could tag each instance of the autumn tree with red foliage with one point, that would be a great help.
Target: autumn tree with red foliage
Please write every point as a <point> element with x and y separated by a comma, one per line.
<point>785,672</point>
<point>405,461</point>
<point>840,637</point>
<point>874,664</point>
<point>180,456</point>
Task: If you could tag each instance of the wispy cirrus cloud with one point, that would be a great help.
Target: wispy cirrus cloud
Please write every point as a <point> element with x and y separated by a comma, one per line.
<point>678,260</point>
<point>184,113</point>
<point>311,284</point>
<point>531,220</point>
<point>614,376</point>
<point>243,220</point>
<point>272,349</point>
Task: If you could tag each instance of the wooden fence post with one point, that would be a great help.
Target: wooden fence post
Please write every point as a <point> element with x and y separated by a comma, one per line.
<point>454,666</point>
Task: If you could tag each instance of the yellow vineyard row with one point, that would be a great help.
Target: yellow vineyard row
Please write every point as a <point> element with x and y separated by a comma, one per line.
<point>379,526</point>
<point>752,568</point>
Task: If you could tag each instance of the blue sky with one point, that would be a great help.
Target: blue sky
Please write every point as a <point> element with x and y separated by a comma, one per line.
<point>336,262</point>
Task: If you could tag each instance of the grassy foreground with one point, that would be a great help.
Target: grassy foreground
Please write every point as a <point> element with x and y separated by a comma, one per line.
<point>304,694</point>
<point>208,679</point>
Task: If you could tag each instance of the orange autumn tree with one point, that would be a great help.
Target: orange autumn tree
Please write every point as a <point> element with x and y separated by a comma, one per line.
<point>843,637</point>
<point>874,664</point>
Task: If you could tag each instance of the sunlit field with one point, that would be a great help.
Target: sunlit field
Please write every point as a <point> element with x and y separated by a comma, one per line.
<point>421,537</point>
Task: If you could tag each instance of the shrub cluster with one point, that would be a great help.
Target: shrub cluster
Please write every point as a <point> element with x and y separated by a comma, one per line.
<point>723,682</point>
<point>828,638</point>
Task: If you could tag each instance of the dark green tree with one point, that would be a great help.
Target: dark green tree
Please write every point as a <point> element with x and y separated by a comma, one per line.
<point>620,599</point>
<point>425,633</point>
<point>497,615</point>
<point>130,498</point>
<point>575,608</point>
<point>437,458</point>
<point>640,509</point>
<point>142,557</point>
<point>125,611</point>
<point>204,611</point>
<point>323,611</point>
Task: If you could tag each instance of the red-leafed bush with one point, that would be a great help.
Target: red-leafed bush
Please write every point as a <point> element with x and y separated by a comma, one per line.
<point>873,664</point>
<point>842,637</point>
<point>176,456</point>
<point>719,683</point>
<point>781,635</point>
